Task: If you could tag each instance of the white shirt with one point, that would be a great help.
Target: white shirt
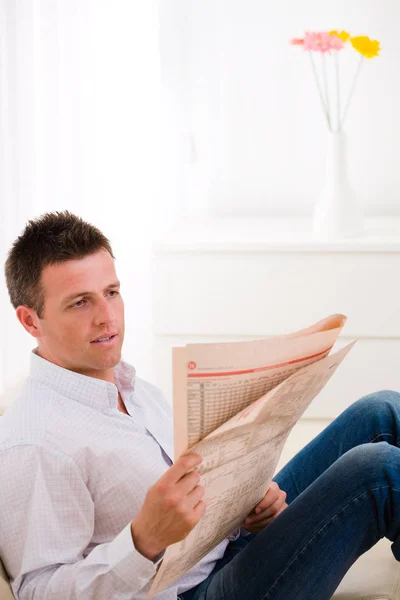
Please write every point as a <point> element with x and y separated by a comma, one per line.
<point>74,472</point>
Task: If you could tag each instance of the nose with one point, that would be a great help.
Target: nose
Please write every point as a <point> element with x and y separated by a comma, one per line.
<point>104,312</point>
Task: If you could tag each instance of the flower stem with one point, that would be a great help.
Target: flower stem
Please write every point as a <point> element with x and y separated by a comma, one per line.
<point>321,96</point>
<point>326,90</point>
<point>352,91</point>
<point>336,55</point>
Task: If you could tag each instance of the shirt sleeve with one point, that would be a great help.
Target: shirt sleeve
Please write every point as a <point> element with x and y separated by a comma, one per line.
<point>47,525</point>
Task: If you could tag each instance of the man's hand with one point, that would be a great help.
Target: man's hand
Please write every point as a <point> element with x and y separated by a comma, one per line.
<point>267,510</point>
<point>172,507</point>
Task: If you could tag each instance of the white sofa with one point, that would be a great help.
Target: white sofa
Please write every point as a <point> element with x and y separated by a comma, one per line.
<point>5,589</point>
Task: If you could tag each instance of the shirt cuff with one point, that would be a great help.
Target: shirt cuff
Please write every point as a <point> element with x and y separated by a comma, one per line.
<point>131,566</point>
<point>234,535</point>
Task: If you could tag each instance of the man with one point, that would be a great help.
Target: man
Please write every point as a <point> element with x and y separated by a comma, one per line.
<point>90,497</point>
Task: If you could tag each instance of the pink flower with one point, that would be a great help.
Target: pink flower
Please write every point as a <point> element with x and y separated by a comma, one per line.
<point>322,41</point>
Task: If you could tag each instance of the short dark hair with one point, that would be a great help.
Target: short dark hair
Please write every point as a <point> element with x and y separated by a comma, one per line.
<point>54,237</point>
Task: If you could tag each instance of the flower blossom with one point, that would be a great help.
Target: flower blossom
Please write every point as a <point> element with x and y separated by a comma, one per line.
<point>322,41</point>
<point>365,46</point>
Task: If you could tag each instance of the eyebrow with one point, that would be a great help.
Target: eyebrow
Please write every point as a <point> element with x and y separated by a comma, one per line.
<point>71,297</point>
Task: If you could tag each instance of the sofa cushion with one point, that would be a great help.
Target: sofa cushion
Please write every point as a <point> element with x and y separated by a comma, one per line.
<point>5,588</point>
<point>374,576</point>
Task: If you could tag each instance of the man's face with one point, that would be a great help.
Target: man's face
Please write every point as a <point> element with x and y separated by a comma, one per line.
<point>71,324</point>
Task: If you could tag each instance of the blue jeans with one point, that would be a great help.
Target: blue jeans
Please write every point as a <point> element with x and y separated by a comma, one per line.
<point>343,495</point>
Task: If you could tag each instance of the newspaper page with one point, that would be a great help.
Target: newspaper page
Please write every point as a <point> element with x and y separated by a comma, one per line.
<point>213,382</point>
<point>239,460</point>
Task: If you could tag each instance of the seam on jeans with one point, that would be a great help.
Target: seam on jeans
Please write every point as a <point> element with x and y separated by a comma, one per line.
<point>265,597</point>
<point>371,440</point>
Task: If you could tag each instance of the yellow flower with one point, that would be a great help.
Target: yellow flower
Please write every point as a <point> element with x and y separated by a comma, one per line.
<point>365,46</point>
<point>343,35</point>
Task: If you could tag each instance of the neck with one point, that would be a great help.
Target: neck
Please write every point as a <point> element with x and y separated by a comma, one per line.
<point>106,375</point>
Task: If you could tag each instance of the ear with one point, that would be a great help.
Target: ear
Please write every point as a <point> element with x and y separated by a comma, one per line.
<point>29,320</point>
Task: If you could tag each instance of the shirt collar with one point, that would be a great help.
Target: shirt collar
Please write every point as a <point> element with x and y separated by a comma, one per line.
<point>97,394</point>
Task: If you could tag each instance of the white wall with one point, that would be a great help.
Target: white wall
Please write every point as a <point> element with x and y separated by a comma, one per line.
<point>251,108</point>
<point>80,129</point>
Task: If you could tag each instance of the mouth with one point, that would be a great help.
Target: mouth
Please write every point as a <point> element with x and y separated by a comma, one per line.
<point>105,341</point>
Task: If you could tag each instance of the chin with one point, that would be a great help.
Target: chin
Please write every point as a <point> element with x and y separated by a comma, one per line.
<point>112,361</point>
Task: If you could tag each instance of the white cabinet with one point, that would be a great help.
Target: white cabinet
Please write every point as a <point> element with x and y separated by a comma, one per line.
<point>246,278</point>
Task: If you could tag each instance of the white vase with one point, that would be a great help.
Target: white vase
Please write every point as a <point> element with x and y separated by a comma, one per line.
<point>338,211</point>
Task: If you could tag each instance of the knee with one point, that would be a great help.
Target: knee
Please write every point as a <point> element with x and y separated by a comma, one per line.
<point>375,403</point>
<point>370,461</point>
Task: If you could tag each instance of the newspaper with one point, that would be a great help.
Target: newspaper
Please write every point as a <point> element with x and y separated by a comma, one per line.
<point>235,405</point>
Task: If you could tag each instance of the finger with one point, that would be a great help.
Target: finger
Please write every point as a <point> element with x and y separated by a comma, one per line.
<point>267,520</point>
<point>199,510</point>
<point>268,512</point>
<point>194,497</point>
<point>260,525</point>
<point>183,465</point>
<point>272,495</point>
<point>268,500</point>
<point>187,483</point>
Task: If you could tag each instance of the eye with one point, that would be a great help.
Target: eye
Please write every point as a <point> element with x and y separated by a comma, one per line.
<point>113,292</point>
<point>77,304</point>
